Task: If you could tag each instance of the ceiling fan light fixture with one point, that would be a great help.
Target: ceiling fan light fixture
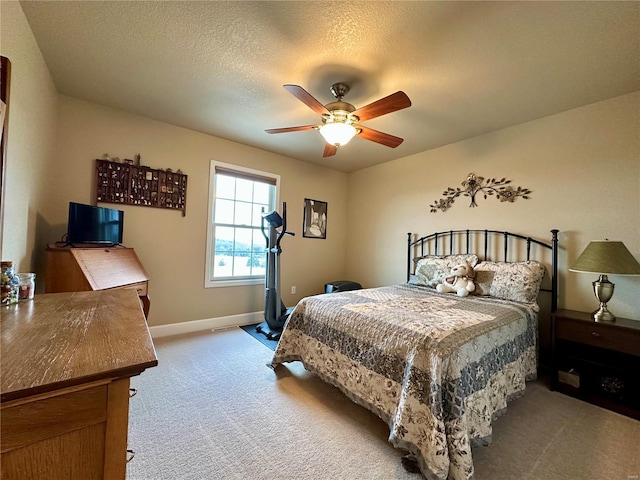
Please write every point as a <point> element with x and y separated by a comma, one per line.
<point>338,134</point>
<point>341,120</point>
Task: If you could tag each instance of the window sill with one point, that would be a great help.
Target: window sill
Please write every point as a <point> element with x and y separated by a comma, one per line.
<point>234,283</point>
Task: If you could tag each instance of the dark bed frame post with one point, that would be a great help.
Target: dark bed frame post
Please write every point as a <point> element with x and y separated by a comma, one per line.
<point>554,267</point>
<point>408,256</point>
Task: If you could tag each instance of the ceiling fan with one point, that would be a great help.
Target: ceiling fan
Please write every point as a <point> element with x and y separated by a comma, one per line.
<point>340,120</point>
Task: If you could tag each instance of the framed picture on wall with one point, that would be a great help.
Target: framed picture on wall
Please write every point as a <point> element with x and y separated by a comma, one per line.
<point>314,222</point>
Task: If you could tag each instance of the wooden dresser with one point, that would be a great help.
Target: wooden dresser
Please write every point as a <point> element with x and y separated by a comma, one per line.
<point>71,269</point>
<point>66,363</point>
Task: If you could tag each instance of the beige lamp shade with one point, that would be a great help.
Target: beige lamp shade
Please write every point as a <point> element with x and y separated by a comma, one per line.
<point>606,258</point>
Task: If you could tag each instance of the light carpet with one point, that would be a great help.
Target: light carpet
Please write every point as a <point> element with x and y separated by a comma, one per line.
<point>212,409</point>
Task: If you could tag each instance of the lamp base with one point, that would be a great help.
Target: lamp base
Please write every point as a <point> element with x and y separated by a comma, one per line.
<point>603,290</point>
<point>603,315</point>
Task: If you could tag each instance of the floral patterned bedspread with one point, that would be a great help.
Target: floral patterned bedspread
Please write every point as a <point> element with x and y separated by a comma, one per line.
<point>436,367</point>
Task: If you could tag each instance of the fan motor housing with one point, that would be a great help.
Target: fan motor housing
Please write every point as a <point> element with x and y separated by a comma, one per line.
<point>340,105</point>
<point>339,116</point>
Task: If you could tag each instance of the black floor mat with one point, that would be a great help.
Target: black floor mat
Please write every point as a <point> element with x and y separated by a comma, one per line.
<point>251,330</point>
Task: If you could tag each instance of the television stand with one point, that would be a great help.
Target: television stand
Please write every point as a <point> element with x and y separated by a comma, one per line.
<point>95,267</point>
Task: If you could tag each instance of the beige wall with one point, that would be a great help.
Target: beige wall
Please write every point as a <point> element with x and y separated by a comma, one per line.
<point>172,247</point>
<point>583,167</point>
<point>30,142</point>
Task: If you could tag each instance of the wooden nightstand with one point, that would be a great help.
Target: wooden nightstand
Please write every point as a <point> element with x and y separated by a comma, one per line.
<point>597,362</point>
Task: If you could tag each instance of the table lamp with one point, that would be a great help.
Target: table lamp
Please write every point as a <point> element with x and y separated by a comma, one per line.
<point>605,258</point>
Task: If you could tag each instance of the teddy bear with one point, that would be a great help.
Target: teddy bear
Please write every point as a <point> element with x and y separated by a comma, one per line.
<point>460,281</point>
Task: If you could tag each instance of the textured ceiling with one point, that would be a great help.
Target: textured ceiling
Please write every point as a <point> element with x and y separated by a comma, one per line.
<point>218,67</point>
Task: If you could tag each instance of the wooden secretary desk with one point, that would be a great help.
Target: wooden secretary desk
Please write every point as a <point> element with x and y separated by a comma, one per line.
<point>77,269</point>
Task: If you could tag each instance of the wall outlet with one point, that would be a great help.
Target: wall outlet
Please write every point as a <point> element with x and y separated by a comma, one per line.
<point>293,290</point>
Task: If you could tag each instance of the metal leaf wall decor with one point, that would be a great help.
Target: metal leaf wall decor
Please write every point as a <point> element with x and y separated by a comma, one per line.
<point>474,185</point>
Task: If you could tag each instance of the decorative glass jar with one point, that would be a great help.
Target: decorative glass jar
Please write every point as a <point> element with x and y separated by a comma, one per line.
<point>27,285</point>
<point>9,284</point>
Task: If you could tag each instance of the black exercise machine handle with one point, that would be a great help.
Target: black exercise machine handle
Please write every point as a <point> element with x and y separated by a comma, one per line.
<point>284,226</point>
<point>264,231</point>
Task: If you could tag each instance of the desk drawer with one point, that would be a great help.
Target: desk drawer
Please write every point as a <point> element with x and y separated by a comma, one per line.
<point>34,421</point>
<point>599,335</point>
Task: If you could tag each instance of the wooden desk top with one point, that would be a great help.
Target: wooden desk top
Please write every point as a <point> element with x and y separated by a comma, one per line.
<point>59,340</point>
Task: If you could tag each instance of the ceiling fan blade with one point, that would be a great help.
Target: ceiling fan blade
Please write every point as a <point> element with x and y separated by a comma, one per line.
<point>379,137</point>
<point>329,150</point>
<point>306,98</point>
<point>395,101</point>
<point>290,129</point>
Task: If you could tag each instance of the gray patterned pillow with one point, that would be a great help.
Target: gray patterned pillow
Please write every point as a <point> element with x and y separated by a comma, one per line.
<point>431,269</point>
<point>516,281</point>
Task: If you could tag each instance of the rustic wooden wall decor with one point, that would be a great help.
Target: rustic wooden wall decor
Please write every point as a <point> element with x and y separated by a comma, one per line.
<point>129,184</point>
<point>473,185</point>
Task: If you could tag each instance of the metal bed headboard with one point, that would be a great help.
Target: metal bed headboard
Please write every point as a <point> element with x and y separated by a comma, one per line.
<point>470,240</point>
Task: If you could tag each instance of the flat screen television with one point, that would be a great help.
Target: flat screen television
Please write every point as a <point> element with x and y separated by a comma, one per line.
<point>89,224</point>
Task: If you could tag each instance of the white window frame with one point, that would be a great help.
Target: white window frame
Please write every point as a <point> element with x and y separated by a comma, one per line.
<point>208,282</point>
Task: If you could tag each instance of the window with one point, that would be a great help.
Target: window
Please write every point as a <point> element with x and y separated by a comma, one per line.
<point>235,242</point>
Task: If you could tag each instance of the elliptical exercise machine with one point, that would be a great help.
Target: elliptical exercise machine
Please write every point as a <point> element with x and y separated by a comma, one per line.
<point>275,313</point>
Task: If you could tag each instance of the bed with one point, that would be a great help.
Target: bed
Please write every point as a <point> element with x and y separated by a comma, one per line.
<point>436,367</point>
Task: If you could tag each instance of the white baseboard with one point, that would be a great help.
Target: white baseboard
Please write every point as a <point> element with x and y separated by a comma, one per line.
<point>206,324</point>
